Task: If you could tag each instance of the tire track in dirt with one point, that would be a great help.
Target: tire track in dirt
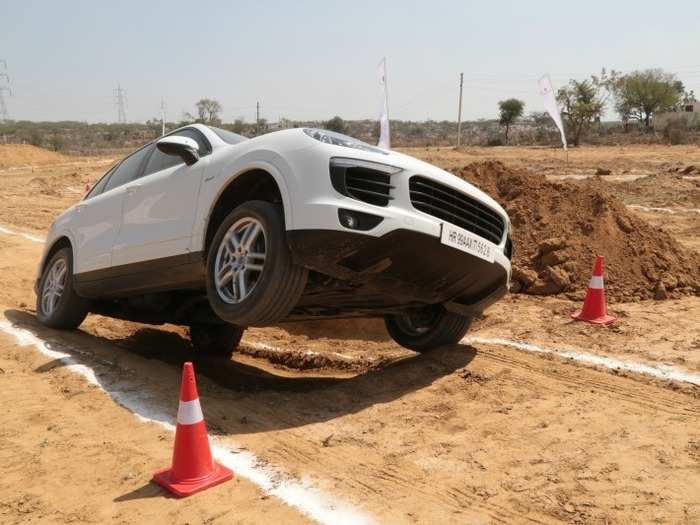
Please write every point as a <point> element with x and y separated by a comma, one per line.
<point>567,374</point>
<point>664,372</point>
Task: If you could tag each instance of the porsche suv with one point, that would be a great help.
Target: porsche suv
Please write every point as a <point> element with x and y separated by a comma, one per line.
<point>208,229</point>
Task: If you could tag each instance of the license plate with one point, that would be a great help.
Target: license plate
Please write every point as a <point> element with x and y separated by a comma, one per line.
<point>467,242</point>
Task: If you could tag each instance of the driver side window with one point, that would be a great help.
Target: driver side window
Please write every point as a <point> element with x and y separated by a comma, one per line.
<point>128,170</point>
<point>160,161</point>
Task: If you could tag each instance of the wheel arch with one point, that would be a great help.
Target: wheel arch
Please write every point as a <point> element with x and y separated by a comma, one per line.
<point>62,241</point>
<point>259,181</point>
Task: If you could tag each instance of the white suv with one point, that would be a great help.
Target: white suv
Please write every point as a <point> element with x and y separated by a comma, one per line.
<point>208,229</point>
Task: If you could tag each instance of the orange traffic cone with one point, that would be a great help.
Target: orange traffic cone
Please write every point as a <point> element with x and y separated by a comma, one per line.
<point>193,467</point>
<point>594,308</point>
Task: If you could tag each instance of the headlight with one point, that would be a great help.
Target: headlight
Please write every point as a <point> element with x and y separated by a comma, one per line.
<point>337,139</point>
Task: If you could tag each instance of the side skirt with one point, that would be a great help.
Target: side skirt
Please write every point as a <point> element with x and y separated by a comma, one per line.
<point>177,272</point>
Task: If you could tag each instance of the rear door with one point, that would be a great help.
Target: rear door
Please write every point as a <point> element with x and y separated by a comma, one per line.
<point>98,216</point>
<point>159,208</point>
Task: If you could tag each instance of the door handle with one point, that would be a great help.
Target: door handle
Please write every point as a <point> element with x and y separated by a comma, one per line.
<point>133,188</point>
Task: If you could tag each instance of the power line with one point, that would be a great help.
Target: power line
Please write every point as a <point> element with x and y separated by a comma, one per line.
<point>120,102</point>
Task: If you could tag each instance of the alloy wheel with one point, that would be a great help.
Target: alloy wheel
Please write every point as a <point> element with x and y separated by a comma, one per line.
<point>53,286</point>
<point>240,260</point>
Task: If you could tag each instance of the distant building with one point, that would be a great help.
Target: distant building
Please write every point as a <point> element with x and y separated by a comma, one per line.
<point>689,112</point>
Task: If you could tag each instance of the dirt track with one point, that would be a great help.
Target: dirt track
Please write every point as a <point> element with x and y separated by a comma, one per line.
<point>474,433</point>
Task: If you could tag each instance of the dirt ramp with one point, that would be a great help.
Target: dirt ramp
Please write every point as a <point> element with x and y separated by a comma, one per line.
<point>558,228</point>
<point>15,155</point>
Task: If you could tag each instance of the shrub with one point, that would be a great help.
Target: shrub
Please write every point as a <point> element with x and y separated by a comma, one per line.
<point>676,132</point>
<point>494,140</point>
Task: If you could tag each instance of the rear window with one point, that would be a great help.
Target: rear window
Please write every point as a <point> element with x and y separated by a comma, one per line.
<point>228,136</point>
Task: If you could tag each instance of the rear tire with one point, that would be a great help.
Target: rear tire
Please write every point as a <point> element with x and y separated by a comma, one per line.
<point>57,304</point>
<point>252,240</point>
<point>216,339</point>
<point>427,328</point>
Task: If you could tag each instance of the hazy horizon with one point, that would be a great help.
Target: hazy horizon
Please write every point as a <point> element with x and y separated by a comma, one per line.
<point>312,60</point>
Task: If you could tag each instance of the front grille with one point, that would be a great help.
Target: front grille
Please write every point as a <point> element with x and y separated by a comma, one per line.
<point>456,208</point>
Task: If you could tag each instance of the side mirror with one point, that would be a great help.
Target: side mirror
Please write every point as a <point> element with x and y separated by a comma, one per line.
<point>183,147</point>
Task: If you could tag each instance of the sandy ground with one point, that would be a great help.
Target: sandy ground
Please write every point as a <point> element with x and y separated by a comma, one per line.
<point>476,433</point>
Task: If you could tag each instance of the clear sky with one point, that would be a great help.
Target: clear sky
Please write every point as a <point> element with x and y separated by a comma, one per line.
<point>315,59</point>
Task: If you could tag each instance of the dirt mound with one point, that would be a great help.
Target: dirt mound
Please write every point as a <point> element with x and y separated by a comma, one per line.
<point>14,155</point>
<point>558,228</point>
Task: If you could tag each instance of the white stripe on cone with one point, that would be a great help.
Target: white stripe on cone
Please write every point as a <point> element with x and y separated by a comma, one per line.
<point>596,282</point>
<point>189,412</point>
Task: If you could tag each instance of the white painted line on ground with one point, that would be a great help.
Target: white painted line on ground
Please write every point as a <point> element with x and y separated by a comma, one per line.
<point>28,236</point>
<point>33,238</point>
<point>300,494</point>
<point>659,371</point>
<point>663,210</point>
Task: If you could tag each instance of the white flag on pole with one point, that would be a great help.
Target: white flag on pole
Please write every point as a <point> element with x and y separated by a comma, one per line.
<point>384,133</point>
<point>550,104</point>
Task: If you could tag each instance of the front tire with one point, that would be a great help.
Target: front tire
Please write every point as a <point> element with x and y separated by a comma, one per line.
<point>251,279</point>
<point>215,339</point>
<point>427,328</point>
<point>57,304</point>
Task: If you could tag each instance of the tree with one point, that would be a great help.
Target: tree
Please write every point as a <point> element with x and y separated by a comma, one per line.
<point>640,94</point>
<point>581,105</point>
<point>208,110</point>
<point>510,111</point>
<point>336,124</point>
<point>688,97</point>
<point>238,125</point>
<point>541,119</point>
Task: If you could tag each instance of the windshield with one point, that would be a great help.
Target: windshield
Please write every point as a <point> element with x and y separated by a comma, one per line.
<point>228,136</point>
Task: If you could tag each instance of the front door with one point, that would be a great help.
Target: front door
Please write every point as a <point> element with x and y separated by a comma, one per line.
<point>159,210</point>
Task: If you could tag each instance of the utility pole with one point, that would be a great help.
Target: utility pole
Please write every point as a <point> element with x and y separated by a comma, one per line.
<point>4,89</point>
<point>120,102</point>
<point>162,117</point>
<point>257,118</point>
<point>459,113</point>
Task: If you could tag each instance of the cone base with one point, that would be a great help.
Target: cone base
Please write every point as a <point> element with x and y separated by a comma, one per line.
<point>603,319</point>
<point>184,488</point>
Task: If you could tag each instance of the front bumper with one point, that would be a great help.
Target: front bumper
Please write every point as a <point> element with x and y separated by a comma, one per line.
<point>399,269</point>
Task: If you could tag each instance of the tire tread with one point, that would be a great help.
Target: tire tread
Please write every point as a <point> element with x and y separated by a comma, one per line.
<point>449,330</point>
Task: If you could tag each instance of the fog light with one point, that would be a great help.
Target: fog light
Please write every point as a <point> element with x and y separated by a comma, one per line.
<point>357,220</point>
<point>347,220</point>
